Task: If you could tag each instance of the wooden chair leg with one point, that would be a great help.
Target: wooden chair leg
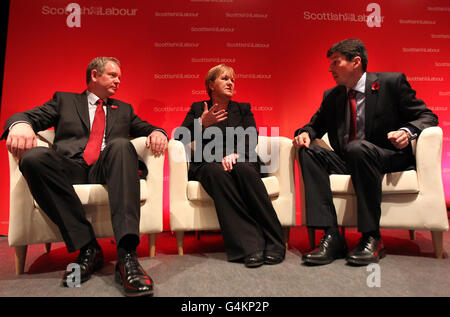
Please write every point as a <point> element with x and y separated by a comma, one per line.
<point>152,244</point>
<point>312,237</point>
<point>412,234</point>
<point>438,243</point>
<point>20,256</point>
<point>286,232</point>
<point>48,247</point>
<point>180,241</point>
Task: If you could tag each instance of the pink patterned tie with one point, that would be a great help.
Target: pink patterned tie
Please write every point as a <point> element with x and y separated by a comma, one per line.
<point>352,98</point>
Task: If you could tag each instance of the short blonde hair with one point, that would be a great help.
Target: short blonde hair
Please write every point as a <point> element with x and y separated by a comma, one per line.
<point>215,72</point>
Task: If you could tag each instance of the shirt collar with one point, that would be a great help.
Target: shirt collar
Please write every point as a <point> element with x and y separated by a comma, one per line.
<point>361,84</point>
<point>92,98</point>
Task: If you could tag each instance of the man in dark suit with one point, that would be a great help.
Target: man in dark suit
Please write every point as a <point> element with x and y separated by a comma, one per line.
<point>370,119</point>
<point>91,145</point>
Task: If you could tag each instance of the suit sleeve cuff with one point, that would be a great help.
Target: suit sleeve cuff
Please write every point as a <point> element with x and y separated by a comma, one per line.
<point>162,131</point>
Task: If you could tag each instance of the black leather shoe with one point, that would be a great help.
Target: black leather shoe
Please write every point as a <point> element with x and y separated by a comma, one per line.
<point>273,259</point>
<point>254,260</point>
<point>369,250</point>
<point>89,260</point>
<point>331,247</point>
<point>131,275</point>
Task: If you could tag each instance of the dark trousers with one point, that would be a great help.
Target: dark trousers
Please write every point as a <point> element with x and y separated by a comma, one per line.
<point>366,163</point>
<point>50,177</point>
<point>246,215</point>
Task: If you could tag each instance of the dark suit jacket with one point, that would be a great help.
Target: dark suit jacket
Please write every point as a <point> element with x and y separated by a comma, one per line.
<point>68,113</point>
<point>239,115</point>
<point>391,106</point>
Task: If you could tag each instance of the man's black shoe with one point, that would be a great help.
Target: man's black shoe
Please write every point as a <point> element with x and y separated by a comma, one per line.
<point>131,275</point>
<point>331,247</point>
<point>369,250</point>
<point>89,260</point>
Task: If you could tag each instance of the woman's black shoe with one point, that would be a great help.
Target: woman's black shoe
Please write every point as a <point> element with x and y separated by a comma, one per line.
<point>254,260</point>
<point>273,259</point>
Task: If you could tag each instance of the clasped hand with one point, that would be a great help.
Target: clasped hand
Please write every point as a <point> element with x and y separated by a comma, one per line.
<point>302,140</point>
<point>398,138</point>
<point>228,161</point>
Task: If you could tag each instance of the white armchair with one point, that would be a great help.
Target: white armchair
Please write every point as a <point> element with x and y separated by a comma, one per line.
<point>412,200</point>
<point>192,209</point>
<point>28,224</point>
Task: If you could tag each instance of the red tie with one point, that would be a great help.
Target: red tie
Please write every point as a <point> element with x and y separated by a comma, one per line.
<point>351,97</point>
<point>94,145</point>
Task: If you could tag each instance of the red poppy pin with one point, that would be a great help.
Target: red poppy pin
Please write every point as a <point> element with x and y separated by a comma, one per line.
<point>115,107</point>
<point>375,86</point>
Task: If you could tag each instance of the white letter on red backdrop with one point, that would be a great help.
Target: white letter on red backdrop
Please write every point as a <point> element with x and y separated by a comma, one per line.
<point>74,18</point>
<point>374,18</point>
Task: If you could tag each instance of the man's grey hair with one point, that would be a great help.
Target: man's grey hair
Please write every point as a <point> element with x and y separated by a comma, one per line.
<point>99,63</point>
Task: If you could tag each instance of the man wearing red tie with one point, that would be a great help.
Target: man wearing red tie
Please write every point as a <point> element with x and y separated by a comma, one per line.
<point>91,146</point>
<point>370,119</point>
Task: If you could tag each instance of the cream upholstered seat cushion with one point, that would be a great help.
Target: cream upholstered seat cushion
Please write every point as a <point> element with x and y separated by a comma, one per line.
<point>196,192</point>
<point>97,194</point>
<point>393,183</point>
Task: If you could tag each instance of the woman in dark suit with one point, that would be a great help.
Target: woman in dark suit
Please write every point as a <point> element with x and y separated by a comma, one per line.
<point>226,164</point>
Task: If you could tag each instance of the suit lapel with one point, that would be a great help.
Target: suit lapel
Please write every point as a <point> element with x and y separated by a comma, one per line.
<point>81,104</point>
<point>371,103</point>
<point>341,110</point>
<point>111,115</point>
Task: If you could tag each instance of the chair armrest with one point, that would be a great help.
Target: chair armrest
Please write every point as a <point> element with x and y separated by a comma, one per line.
<point>428,159</point>
<point>152,209</point>
<point>281,154</point>
<point>21,201</point>
<point>278,154</point>
<point>286,165</point>
<point>429,176</point>
<point>178,171</point>
<point>155,165</point>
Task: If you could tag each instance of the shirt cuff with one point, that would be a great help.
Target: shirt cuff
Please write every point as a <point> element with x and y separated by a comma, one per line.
<point>411,136</point>
<point>16,122</point>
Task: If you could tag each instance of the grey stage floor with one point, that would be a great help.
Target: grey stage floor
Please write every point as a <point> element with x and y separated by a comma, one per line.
<point>409,270</point>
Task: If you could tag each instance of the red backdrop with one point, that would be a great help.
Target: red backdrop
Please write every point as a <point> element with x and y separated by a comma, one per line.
<point>277,49</point>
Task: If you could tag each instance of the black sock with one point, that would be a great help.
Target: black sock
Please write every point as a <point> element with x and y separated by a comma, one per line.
<point>334,231</point>
<point>93,244</point>
<point>375,234</point>
<point>127,244</point>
